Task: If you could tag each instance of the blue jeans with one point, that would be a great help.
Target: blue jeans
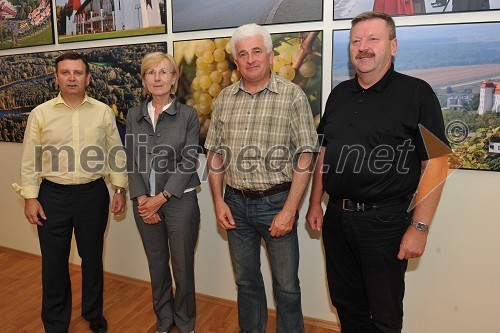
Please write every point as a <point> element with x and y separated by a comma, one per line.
<point>253,218</point>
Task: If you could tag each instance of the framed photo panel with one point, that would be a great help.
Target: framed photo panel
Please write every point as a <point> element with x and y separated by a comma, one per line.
<point>191,15</point>
<point>84,20</point>
<point>462,64</point>
<point>207,67</point>
<point>347,9</point>
<point>25,23</point>
<point>27,80</point>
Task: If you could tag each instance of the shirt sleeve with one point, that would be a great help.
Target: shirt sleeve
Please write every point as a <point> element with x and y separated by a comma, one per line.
<point>213,140</point>
<point>31,161</point>
<point>303,132</point>
<point>116,154</point>
<point>431,119</point>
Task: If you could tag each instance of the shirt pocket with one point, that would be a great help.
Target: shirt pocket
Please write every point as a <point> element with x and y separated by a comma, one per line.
<point>94,136</point>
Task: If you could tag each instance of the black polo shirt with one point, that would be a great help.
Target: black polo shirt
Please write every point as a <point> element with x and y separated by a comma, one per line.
<point>373,144</point>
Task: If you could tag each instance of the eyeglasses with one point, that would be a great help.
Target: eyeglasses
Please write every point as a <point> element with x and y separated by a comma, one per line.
<point>163,72</point>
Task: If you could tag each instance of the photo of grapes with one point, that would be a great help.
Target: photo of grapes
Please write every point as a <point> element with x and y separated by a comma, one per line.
<point>207,67</point>
<point>27,80</point>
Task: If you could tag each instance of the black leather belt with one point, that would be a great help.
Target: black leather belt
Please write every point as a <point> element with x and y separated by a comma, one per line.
<point>349,205</point>
<point>261,194</point>
<point>72,187</point>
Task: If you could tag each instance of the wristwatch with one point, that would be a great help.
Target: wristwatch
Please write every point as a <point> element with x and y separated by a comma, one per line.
<point>420,226</point>
<point>121,191</point>
<point>165,194</point>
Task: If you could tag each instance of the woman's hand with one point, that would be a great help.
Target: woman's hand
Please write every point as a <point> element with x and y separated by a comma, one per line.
<point>149,206</point>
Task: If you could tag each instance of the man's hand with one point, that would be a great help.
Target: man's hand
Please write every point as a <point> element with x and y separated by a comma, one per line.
<point>282,223</point>
<point>412,244</point>
<point>33,211</point>
<point>118,203</point>
<point>224,216</point>
<point>315,216</point>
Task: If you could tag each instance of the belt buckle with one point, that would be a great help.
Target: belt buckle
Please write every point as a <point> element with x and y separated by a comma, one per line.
<point>360,206</point>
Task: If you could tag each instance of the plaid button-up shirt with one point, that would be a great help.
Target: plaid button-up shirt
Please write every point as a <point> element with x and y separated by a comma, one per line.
<point>259,134</point>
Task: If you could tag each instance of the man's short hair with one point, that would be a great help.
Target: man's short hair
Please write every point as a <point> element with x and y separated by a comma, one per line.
<point>73,56</point>
<point>248,31</point>
<point>376,15</point>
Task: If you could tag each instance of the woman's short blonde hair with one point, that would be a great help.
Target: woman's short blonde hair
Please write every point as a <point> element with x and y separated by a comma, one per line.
<point>150,60</point>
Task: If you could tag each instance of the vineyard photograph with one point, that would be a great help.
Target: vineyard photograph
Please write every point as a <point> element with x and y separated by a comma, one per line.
<point>462,64</point>
<point>207,67</point>
<point>28,80</point>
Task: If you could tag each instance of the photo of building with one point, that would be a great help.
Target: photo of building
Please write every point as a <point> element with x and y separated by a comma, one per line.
<point>23,24</point>
<point>489,97</point>
<point>131,17</point>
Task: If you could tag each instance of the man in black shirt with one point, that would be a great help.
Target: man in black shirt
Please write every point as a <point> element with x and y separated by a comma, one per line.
<point>371,162</point>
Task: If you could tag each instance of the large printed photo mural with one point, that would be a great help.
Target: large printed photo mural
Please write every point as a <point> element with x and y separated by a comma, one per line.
<point>27,80</point>
<point>25,23</point>
<point>346,9</point>
<point>84,20</point>
<point>207,67</point>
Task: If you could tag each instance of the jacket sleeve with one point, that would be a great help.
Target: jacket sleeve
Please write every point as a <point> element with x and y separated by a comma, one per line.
<point>186,167</point>
<point>137,186</point>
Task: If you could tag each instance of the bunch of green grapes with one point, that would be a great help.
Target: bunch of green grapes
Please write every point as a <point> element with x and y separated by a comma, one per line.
<point>282,65</point>
<point>214,72</point>
<point>214,69</point>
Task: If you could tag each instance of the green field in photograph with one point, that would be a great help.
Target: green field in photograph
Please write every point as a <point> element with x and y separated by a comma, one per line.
<point>113,34</point>
<point>42,38</point>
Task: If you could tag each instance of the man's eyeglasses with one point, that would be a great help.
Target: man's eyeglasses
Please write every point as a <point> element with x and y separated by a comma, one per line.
<point>163,72</point>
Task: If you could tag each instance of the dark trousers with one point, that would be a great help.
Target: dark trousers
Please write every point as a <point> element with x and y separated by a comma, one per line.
<point>172,240</point>
<point>84,210</point>
<point>365,277</point>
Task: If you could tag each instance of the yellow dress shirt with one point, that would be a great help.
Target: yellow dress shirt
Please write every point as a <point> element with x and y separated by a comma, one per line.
<point>71,146</point>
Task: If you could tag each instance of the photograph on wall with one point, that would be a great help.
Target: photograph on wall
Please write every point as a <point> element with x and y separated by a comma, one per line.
<point>84,20</point>
<point>347,9</point>
<point>192,15</point>
<point>27,80</point>
<point>25,23</point>
<point>207,67</point>
<point>462,64</point>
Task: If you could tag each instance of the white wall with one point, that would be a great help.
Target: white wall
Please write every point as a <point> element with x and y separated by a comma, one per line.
<point>453,288</point>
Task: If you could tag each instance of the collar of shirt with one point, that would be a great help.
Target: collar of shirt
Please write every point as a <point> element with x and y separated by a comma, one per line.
<point>377,87</point>
<point>60,100</point>
<point>171,108</point>
<point>151,109</point>
<point>272,85</point>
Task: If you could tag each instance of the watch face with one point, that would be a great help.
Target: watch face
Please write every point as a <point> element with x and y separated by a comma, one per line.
<point>420,226</point>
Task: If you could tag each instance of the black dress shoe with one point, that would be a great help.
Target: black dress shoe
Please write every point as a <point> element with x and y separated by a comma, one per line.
<point>98,325</point>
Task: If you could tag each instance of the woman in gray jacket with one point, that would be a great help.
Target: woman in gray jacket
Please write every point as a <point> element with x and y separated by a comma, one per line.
<point>162,151</point>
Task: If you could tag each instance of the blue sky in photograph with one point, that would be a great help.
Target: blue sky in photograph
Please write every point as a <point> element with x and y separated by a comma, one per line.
<point>433,46</point>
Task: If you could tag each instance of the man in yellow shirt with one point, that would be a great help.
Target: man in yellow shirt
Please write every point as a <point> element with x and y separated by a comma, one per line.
<point>71,143</point>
